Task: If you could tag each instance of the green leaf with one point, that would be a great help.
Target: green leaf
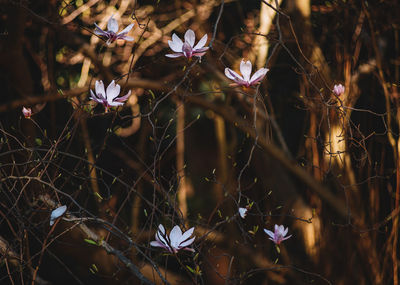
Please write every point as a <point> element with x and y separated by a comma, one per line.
<point>90,241</point>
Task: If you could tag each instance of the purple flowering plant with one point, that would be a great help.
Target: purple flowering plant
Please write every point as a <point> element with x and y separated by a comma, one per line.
<point>279,234</point>
<point>187,48</point>
<point>111,35</point>
<point>109,97</point>
<point>245,80</point>
<point>175,241</point>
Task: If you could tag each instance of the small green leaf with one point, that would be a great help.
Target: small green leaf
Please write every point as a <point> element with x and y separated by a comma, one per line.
<point>190,269</point>
<point>97,194</point>
<point>38,141</point>
<point>90,241</point>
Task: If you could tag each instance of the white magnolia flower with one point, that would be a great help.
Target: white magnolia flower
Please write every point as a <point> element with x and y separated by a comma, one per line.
<point>27,112</point>
<point>187,48</point>
<point>112,31</point>
<point>245,80</point>
<point>108,98</point>
<point>278,235</point>
<point>243,212</point>
<point>57,213</point>
<point>338,89</point>
<point>175,241</point>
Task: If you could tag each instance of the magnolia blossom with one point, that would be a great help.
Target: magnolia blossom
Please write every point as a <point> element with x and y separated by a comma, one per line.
<point>27,112</point>
<point>338,89</point>
<point>108,98</point>
<point>57,213</point>
<point>187,48</point>
<point>175,241</point>
<point>112,31</point>
<point>278,235</point>
<point>243,212</point>
<point>245,80</point>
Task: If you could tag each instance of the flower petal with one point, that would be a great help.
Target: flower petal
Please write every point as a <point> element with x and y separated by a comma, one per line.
<point>160,235</point>
<point>157,243</point>
<point>99,88</point>
<point>112,91</point>
<point>126,30</point>
<point>112,25</point>
<point>271,234</point>
<point>245,69</point>
<point>190,37</point>
<point>122,99</point>
<point>287,237</point>
<point>243,212</point>
<point>57,213</point>
<point>201,42</point>
<point>186,243</point>
<point>234,76</point>
<point>187,50</point>
<point>27,112</point>
<point>93,97</point>
<point>176,43</point>
<point>187,234</point>
<point>175,236</point>
<point>258,76</point>
<point>99,31</point>
<point>173,55</point>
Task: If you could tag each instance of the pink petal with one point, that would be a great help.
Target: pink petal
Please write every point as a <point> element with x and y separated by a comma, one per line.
<point>186,243</point>
<point>176,43</point>
<point>122,99</point>
<point>190,37</point>
<point>201,42</point>
<point>198,54</point>
<point>189,249</point>
<point>258,76</point>
<point>245,69</point>
<point>187,50</point>
<point>112,25</point>
<point>187,234</point>
<point>235,77</point>
<point>160,235</point>
<point>156,244</point>
<point>28,111</point>
<point>98,31</point>
<point>271,234</point>
<point>112,91</point>
<point>173,55</point>
<point>99,88</point>
<point>175,236</point>
<point>287,237</point>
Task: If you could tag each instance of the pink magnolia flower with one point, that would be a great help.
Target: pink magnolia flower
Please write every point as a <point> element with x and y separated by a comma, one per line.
<point>27,112</point>
<point>112,31</point>
<point>108,98</point>
<point>245,80</point>
<point>338,89</point>
<point>187,48</point>
<point>278,235</point>
<point>175,241</point>
<point>55,214</point>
